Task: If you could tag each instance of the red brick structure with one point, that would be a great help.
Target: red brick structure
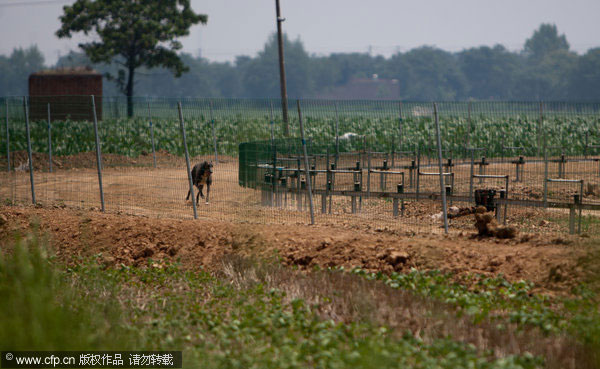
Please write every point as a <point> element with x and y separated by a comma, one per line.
<point>68,92</point>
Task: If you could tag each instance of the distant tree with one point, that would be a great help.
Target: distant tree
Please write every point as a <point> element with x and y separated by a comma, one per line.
<point>204,78</point>
<point>545,40</point>
<point>397,67</point>
<point>431,74</point>
<point>585,81</point>
<point>132,34</point>
<point>546,80</point>
<point>227,78</point>
<point>73,59</point>
<point>260,75</point>
<point>324,73</point>
<point>16,68</point>
<point>77,59</point>
<point>547,67</point>
<point>200,81</point>
<point>489,71</point>
<point>352,65</point>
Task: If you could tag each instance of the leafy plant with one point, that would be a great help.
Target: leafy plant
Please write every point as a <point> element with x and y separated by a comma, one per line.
<point>161,307</point>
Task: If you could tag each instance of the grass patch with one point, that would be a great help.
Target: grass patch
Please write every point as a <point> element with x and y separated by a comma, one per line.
<point>40,310</point>
<point>216,322</point>
<point>494,298</point>
<point>590,224</point>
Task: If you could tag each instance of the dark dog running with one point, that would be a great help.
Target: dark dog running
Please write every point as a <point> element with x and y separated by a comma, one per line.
<point>201,175</point>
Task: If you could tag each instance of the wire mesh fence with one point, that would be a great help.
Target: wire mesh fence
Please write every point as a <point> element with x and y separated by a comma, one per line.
<point>370,162</point>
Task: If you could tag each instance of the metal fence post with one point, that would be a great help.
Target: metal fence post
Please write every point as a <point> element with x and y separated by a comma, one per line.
<point>369,174</point>
<point>587,142</point>
<point>29,150</point>
<point>152,135</point>
<point>469,125</point>
<point>472,172</point>
<point>580,206</point>
<point>187,160</point>
<point>543,138</point>
<point>272,122</point>
<point>540,127</point>
<point>337,134</point>
<point>442,187</point>
<point>49,140</point>
<point>417,174</point>
<point>98,152</point>
<point>274,176</point>
<point>400,121</point>
<point>308,181</point>
<point>572,219</point>
<point>212,123</point>
<point>7,138</point>
<point>336,158</point>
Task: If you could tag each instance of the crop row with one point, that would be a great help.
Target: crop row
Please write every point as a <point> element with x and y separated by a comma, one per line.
<point>133,136</point>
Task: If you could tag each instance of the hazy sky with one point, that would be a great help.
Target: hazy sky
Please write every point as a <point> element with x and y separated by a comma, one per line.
<point>241,27</point>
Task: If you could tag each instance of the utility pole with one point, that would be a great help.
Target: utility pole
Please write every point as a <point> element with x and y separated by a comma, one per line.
<point>284,102</point>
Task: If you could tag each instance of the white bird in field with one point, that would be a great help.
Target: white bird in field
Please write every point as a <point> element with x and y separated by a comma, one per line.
<point>348,135</point>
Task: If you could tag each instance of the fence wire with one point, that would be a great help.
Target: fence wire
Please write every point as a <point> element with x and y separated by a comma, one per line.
<point>372,163</point>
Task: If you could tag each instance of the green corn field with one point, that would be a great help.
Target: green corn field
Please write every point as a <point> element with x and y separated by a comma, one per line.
<point>572,129</point>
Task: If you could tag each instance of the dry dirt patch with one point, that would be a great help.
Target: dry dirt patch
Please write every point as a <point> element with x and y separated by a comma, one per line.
<point>132,240</point>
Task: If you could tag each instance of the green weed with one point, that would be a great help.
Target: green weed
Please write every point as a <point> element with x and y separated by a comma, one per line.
<point>160,306</point>
<point>507,302</point>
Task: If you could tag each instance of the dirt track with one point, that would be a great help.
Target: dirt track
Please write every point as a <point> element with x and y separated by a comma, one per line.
<point>235,222</point>
<point>136,188</point>
<point>551,263</point>
<point>133,186</point>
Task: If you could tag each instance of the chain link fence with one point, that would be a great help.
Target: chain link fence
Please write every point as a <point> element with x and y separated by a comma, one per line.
<point>370,163</point>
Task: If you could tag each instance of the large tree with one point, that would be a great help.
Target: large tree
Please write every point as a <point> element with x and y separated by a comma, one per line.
<point>544,41</point>
<point>547,67</point>
<point>132,34</point>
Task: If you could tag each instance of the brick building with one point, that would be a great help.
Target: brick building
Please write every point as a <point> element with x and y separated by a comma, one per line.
<point>68,92</point>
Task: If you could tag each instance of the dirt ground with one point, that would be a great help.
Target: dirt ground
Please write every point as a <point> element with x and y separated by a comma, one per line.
<point>147,216</point>
<point>553,264</point>
<point>19,159</point>
<point>134,186</point>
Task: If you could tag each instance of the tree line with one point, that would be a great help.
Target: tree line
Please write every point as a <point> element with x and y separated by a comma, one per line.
<point>546,69</point>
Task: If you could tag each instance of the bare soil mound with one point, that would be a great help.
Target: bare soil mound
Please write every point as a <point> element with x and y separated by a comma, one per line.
<point>19,159</point>
<point>132,240</point>
<point>487,226</point>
